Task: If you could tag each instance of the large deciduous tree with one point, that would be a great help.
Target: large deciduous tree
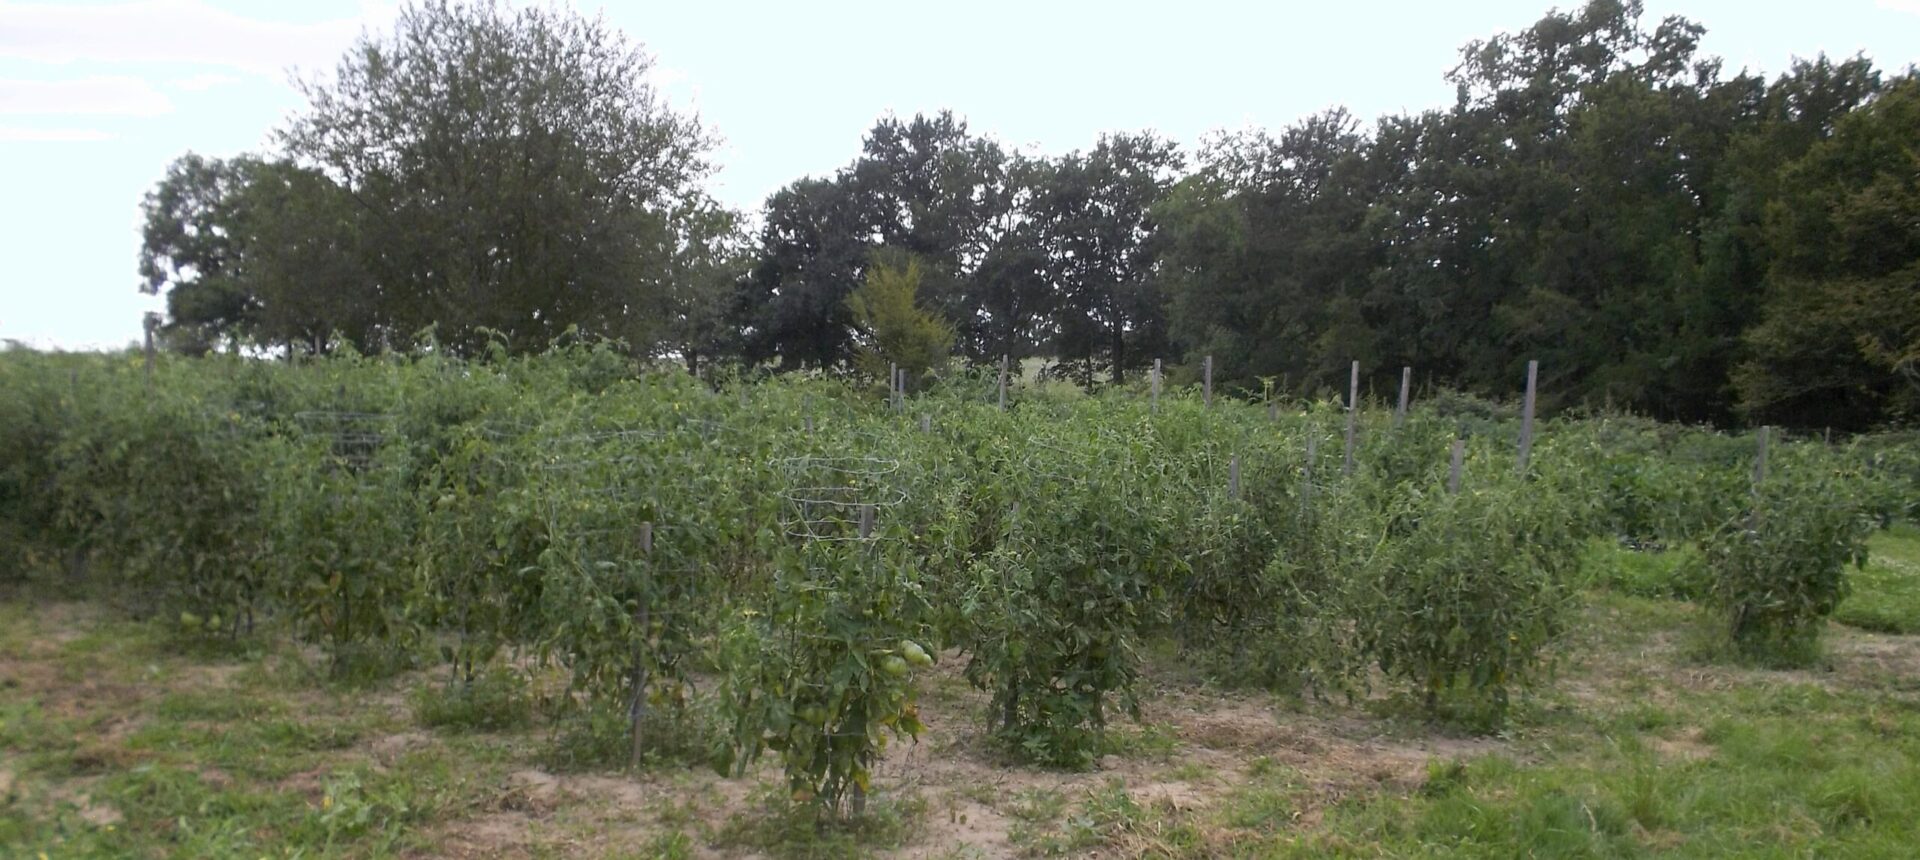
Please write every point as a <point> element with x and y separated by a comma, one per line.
<point>256,251</point>
<point>515,171</point>
<point>1840,337</point>
<point>1093,213</point>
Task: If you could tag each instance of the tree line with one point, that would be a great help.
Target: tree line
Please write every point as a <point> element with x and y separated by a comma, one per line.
<point>1663,235</point>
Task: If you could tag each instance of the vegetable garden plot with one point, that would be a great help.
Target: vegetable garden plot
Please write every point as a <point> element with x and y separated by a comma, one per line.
<point>640,531</point>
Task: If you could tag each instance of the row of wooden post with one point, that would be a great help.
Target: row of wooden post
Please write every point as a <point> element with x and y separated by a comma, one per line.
<point>898,390</point>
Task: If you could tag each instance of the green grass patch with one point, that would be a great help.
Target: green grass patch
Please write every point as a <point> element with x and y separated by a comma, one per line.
<point>1886,593</point>
<point>1672,572</point>
<point>497,700</point>
<point>782,828</point>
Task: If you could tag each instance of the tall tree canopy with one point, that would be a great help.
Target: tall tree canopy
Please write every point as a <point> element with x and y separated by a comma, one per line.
<point>482,168</point>
<point>1600,195</point>
<point>256,251</point>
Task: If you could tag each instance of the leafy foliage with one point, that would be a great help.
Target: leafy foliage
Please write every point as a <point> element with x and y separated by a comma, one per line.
<point>1779,570</point>
<point>898,331</point>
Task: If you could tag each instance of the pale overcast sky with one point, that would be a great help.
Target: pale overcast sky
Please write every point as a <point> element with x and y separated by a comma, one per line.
<point>97,97</point>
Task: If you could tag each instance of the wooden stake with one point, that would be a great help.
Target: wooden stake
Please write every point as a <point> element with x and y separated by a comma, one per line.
<point>1760,458</point>
<point>866,521</point>
<point>1353,416</point>
<point>1207,380</point>
<point>926,423</point>
<point>1406,386</point>
<point>1003,383</point>
<point>1233,477</point>
<point>1526,416</point>
<point>1156,385</point>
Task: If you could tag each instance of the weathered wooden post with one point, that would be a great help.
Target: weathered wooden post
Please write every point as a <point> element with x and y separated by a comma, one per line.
<point>1526,416</point>
<point>1233,477</point>
<point>1156,385</point>
<point>1207,380</point>
<point>1406,386</point>
<point>1353,416</point>
<point>1760,457</point>
<point>1003,382</point>
<point>866,521</point>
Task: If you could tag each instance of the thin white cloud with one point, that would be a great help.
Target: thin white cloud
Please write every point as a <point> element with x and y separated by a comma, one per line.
<point>182,31</point>
<point>202,83</point>
<point>11,134</point>
<point>1911,7</point>
<point>113,96</point>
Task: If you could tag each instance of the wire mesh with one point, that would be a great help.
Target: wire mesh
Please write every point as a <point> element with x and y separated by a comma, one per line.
<point>828,495</point>
<point>354,437</point>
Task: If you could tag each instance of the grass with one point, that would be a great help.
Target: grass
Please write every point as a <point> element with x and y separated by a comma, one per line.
<point>1780,772</point>
<point>1674,572</point>
<point>126,739</point>
<point>1886,593</point>
<point>796,832</point>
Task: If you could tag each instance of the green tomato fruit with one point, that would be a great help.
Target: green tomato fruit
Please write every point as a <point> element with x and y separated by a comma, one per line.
<point>188,619</point>
<point>895,666</point>
<point>915,654</point>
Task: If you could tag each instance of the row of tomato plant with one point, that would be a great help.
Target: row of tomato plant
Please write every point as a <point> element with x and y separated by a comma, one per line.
<point>641,531</point>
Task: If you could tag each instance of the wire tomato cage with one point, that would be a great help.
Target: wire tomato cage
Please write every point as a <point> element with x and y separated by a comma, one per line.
<point>354,438</point>
<point>837,498</point>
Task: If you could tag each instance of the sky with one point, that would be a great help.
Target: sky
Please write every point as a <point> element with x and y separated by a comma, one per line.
<point>96,98</point>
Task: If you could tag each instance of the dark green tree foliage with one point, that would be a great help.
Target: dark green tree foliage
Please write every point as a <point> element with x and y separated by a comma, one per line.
<point>1093,212</point>
<point>813,251</point>
<point>926,187</point>
<point>188,247</point>
<point>517,172</point>
<point>1841,332</point>
<point>1261,242</point>
<point>1600,197</point>
<point>942,194</point>
<point>258,251</point>
<point>1012,302</point>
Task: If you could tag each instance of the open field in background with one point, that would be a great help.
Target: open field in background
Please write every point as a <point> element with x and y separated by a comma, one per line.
<point>117,739</point>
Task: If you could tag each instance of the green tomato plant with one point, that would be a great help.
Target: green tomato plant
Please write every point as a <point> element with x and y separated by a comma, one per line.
<point>824,674</point>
